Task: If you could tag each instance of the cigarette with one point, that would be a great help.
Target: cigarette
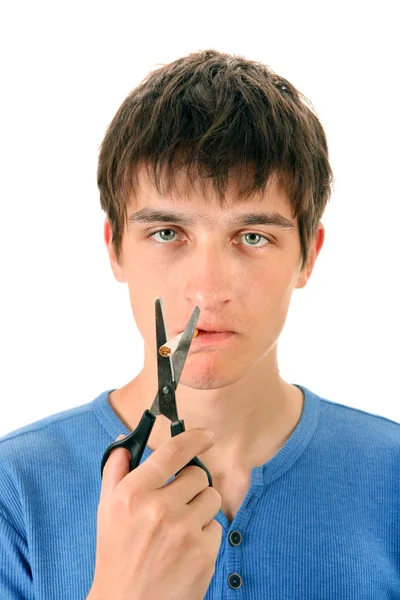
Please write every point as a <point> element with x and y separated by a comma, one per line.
<point>171,345</point>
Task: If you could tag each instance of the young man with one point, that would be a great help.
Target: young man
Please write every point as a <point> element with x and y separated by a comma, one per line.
<point>214,176</point>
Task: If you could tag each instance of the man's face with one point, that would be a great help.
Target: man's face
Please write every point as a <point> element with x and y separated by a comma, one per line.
<point>240,275</point>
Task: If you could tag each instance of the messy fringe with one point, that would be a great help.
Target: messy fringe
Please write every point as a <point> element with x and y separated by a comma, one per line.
<point>212,117</point>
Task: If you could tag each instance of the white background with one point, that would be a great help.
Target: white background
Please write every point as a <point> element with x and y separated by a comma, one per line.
<point>67,332</point>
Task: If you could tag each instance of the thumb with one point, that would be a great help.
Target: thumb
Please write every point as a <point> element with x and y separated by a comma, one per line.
<point>115,469</point>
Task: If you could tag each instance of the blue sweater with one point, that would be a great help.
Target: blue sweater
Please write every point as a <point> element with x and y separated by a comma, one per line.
<point>321,519</point>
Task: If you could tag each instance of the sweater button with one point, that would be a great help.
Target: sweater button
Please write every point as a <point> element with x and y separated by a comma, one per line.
<point>235,581</point>
<point>235,538</point>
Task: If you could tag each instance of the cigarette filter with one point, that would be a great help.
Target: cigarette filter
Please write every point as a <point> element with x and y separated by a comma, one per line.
<point>171,345</point>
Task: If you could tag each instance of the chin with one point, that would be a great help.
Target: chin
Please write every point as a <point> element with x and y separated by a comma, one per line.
<point>209,374</point>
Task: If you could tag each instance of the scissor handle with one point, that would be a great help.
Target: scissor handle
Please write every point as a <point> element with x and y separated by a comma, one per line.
<point>176,429</point>
<point>135,442</point>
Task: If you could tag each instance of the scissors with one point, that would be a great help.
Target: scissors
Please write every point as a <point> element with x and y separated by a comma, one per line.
<point>169,372</point>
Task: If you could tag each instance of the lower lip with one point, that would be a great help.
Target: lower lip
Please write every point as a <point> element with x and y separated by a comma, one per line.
<point>204,338</point>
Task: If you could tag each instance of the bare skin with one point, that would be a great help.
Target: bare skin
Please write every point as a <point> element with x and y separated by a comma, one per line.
<point>156,541</point>
<point>231,477</point>
<point>233,388</point>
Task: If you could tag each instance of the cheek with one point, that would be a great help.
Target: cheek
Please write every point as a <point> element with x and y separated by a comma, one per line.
<point>148,280</point>
<point>271,299</point>
<point>143,312</point>
<point>274,281</point>
<point>142,273</point>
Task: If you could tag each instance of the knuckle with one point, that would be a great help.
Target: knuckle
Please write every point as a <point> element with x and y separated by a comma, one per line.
<point>175,448</point>
<point>119,503</point>
<point>123,504</point>
<point>216,497</point>
<point>156,513</point>
<point>204,477</point>
<point>153,465</point>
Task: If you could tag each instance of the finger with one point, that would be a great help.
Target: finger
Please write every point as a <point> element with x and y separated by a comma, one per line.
<point>186,485</point>
<point>115,469</point>
<point>168,459</point>
<point>205,506</point>
<point>213,532</point>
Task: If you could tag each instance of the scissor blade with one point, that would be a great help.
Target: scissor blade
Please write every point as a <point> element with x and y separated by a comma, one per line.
<point>180,355</point>
<point>165,399</point>
<point>169,370</point>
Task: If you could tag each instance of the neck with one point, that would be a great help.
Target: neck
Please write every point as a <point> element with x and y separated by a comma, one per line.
<point>251,418</point>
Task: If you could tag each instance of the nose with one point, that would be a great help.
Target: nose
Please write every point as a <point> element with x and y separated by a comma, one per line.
<point>209,279</point>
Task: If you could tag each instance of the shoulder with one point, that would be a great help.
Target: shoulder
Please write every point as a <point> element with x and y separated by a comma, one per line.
<point>41,455</point>
<point>55,434</point>
<point>367,421</point>
<point>356,429</point>
<point>42,430</point>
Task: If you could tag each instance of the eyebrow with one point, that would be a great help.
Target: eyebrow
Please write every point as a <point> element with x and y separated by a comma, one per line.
<point>150,215</point>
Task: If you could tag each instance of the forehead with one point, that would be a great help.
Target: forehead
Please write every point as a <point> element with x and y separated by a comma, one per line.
<point>199,198</point>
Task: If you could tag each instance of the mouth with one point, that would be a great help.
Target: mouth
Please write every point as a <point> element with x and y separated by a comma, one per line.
<point>211,337</point>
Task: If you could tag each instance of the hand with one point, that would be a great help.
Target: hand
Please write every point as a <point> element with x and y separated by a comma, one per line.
<point>155,540</point>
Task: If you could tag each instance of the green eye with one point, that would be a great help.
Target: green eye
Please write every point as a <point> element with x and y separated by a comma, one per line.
<point>166,238</point>
<point>254,238</point>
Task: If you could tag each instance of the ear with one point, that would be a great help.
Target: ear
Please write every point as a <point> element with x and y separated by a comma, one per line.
<point>117,267</point>
<point>316,246</point>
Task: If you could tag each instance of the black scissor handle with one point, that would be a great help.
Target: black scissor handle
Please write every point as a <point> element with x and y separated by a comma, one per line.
<point>176,429</point>
<point>135,442</point>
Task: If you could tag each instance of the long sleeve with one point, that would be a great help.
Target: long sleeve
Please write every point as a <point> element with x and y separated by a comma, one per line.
<point>319,520</point>
<point>15,575</point>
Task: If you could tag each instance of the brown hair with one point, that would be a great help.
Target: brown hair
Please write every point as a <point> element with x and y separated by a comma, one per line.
<point>215,114</point>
